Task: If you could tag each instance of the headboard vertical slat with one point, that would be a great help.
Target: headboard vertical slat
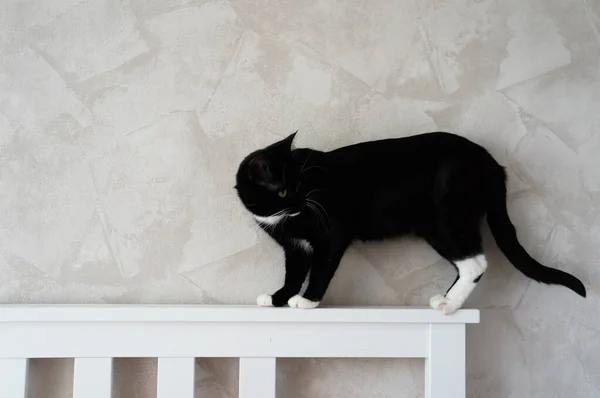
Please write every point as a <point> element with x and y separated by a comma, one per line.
<point>13,378</point>
<point>93,378</point>
<point>257,377</point>
<point>175,378</point>
<point>445,363</point>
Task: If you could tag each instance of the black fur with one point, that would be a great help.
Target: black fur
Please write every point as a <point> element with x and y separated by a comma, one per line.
<point>437,186</point>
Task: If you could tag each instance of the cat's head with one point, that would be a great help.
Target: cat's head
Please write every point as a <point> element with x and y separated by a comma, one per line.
<point>266,181</point>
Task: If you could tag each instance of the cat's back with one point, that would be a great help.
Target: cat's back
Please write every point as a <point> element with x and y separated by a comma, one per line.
<point>416,149</point>
<point>390,187</point>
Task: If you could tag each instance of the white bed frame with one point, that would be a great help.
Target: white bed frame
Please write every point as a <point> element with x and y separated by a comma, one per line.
<point>95,334</point>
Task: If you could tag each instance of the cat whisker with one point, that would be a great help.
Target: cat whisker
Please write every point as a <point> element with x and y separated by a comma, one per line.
<point>284,169</point>
<point>316,167</point>
<point>315,212</point>
<point>318,204</point>
<point>313,191</point>
<point>320,211</point>
<point>304,164</point>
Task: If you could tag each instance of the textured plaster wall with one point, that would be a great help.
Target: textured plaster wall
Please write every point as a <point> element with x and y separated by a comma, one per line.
<point>122,122</point>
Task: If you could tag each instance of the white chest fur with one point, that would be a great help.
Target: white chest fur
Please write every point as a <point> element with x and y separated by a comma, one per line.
<point>269,220</point>
<point>274,219</point>
<point>304,245</point>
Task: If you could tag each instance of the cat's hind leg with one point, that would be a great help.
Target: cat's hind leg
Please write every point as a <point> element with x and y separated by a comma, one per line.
<point>470,271</point>
<point>455,231</point>
<point>459,241</point>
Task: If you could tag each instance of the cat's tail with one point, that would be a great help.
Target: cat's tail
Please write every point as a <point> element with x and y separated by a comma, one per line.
<point>506,237</point>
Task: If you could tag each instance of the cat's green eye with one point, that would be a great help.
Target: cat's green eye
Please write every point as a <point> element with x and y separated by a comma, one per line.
<point>282,194</point>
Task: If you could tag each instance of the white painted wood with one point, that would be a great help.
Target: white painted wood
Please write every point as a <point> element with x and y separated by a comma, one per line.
<point>214,339</point>
<point>221,313</point>
<point>176,334</point>
<point>92,377</point>
<point>175,378</point>
<point>13,378</point>
<point>445,364</point>
<point>257,378</point>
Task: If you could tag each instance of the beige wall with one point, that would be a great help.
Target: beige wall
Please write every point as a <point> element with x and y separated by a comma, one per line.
<point>122,122</point>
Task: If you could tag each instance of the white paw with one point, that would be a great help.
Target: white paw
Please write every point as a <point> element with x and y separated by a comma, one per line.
<point>264,300</point>
<point>443,304</point>
<point>436,301</point>
<point>300,302</point>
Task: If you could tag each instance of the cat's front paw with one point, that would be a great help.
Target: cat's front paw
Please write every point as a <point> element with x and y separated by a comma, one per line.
<point>444,305</point>
<point>265,300</point>
<point>298,301</point>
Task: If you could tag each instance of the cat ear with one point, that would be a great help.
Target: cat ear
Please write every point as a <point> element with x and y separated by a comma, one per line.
<point>285,144</point>
<point>289,141</point>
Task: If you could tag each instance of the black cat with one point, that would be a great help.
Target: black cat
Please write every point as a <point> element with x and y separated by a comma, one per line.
<point>437,186</point>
